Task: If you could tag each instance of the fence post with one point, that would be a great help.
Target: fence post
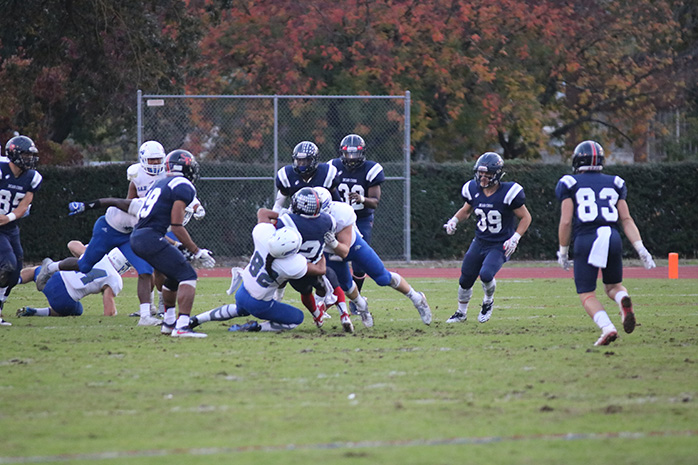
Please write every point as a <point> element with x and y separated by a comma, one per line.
<point>408,198</point>
<point>139,118</point>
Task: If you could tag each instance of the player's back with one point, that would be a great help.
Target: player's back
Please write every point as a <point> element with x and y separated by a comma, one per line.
<point>157,209</point>
<point>595,196</point>
<point>102,274</point>
<point>312,230</point>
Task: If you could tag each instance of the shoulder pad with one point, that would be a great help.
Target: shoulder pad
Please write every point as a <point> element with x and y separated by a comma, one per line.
<point>132,171</point>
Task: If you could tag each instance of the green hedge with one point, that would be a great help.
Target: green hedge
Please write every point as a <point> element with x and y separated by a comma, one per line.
<point>663,200</point>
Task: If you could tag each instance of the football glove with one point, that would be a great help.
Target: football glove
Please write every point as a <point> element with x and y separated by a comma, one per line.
<point>205,258</point>
<point>510,244</point>
<point>562,257</point>
<point>644,254</point>
<point>75,207</point>
<point>188,254</point>
<point>199,213</point>
<point>451,226</point>
<point>331,240</point>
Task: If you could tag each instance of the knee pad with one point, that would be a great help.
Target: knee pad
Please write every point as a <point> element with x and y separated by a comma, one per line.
<point>170,284</point>
<point>464,295</point>
<point>395,280</point>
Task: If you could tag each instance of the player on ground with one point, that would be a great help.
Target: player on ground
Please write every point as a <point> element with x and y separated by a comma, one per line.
<point>593,206</point>
<point>19,182</point>
<point>65,289</point>
<point>358,183</point>
<point>275,260</point>
<point>496,204</point>
<point>164,208</point>
<point>349,246</point>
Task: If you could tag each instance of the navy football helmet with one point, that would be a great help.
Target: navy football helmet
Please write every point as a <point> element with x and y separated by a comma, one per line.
<point>22,152</point>
<point>306,203</point>
<point>305,157</point>
<point>491,163</point>
<point>352,151</point>
<point>184,163</point>
<point>588,156</point>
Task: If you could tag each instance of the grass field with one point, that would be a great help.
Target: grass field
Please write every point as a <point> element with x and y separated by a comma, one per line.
<point>528,387</point>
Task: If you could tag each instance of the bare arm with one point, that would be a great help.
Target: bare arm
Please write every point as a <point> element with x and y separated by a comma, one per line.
<point>264,215</point>
<point>19,211</point>
<point>629,226</point>
<point>176,220</point>
<point>108,301</point>
<point>317,269</point>
<point>132,192</point>
<point>344,239</point>
<point>564,230</point>
<point>524,219</point>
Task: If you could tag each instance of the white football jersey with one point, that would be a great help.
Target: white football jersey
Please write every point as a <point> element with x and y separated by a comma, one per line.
<point>102,274</point>
<point>121,220</point>
<point>142,180</point>
<point>344,216</point>
<point>254,276</point>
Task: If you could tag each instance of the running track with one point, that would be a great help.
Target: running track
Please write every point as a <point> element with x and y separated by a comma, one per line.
<point>662,272</point>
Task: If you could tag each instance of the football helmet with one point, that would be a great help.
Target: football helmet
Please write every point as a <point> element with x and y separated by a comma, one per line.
<point>305,157</point>
<point>588,156</point>
<point>285,242</point>
<point>325,198</point>
<point>306,203</point>
<point>151,155</point>
<point>184,163</point>
<point>118,260</point>
<point>22,152</point>
<point>491,163</point>
<point>352,151</point>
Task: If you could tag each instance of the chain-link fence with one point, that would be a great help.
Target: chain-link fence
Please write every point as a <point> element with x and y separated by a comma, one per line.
<point>242,140</point>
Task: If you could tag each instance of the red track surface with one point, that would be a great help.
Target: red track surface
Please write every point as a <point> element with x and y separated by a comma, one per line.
<point>685,272</point>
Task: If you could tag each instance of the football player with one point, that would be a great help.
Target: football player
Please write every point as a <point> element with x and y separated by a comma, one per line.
<point>65,289</point>
<point>164,208</point>
<point>358,183</point>
<point>304,172</point>
<point>496,205</point>
<point>141,176</point>
<point>19,182</point>
<point>348,246</point>
<point>274,262</point>
<point>593,206</point>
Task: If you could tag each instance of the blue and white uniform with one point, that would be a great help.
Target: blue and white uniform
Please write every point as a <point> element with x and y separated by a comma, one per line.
<point>256,295</point>
<point>65,289</point>
<point>12,191</point>
<point>360,253</point>
<point>148,237</point>
<point>495,224</point>
<point>597,241</point>
<point>288,182</point>
<point>358,181</point>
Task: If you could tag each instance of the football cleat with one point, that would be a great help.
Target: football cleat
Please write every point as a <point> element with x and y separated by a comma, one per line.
<point>347,324</point>
<point>166,329</point>
<point>627,316</point>
<point>44,274</point>
<point>486,312</point>
<point>187,332</point>
<point>423,309</point>
<point>608,335</point>
<point>457,317</point>
<point>136,314</point>
<point>147,320</point>
<point>26,311</point>
<point>4,322</point>
<point>250,326</point>
<point>319,317</point>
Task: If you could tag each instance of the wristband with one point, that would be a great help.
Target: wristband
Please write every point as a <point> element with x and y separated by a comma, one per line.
<point>564,249</point>
<point>11,217</point>
<point>362,199</point>
<point>516,236</point>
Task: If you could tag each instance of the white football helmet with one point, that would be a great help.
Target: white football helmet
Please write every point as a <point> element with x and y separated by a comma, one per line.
<point>325,198</point>
<point>285,242</point>
<point>118,261</point>
<point>151,155</point>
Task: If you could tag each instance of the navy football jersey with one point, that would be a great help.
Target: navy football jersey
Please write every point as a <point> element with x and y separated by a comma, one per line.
<point>13,190</point>
<point>312,231</point>
<point>288,182</point>
<point>157,208</point>
<point>595,196</point>
<point>494,214</point>
<point>358,180</point>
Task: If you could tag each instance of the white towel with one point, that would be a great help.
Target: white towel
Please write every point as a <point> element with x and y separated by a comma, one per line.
<point>598,256</point>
